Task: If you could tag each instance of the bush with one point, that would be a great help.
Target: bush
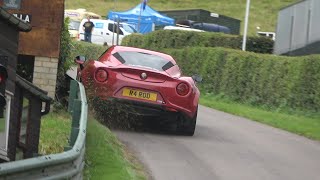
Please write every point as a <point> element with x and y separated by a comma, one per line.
<point>89,50</point>
<point>257,79</point>
<point>181,39</point>
<point>63,65</point>
<point>246,77</point>
<point>69,50</point>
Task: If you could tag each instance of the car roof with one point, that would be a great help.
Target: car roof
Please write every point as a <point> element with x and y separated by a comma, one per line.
<point>126,48</point>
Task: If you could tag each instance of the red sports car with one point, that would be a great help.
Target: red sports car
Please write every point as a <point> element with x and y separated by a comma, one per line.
<point>149,82</point>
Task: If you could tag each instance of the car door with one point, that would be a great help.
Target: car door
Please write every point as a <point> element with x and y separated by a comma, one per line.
<point>98,33</point>
<point>112,37</point>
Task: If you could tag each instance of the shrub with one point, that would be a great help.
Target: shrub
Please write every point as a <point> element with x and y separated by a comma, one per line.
<point>68,51</point>
<point>258,79</point>
<point>63,65</point>
<point>89,50</point>
<point>181,39</point>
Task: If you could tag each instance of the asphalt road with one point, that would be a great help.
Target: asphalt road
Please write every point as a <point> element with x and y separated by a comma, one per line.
<point>226,147</point>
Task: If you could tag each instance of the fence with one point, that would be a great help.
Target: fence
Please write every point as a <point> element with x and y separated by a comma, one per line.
<point>65,165</point>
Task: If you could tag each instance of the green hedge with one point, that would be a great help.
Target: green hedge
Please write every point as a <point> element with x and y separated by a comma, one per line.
<point>274,81</point>
<point>257,79</point>
<point>180,39</point>
<point>89,50</point>
<point>69,50</point>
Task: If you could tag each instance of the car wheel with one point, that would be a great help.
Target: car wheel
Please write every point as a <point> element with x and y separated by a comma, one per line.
<point>187,125</point>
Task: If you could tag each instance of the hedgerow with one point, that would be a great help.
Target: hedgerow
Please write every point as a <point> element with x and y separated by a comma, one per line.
<point>89,50</point>
<point>246,77</point>
<point>274,81</point>
<point>181,39</point>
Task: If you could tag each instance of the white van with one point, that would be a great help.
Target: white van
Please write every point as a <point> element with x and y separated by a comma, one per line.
<point>102,33</point>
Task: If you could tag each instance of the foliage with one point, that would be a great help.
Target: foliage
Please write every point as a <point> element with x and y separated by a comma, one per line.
<point>89,50</point>
<point>64,64</point>
<point>257,79</point>
<point>180,39</point>
<point>113,114</point>
<point>69,50</point>
<point>64,61</point>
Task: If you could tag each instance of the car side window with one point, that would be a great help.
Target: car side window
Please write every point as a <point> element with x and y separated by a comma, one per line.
<point>120,32</point>
<point>110,28</point>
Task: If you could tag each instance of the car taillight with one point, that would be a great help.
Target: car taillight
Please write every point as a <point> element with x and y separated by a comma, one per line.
<point>78,36</point>
<point>101,75</point>
<point>182,89</point>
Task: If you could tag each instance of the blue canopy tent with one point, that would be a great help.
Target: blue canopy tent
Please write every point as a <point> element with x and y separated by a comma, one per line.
<point>142,19</point>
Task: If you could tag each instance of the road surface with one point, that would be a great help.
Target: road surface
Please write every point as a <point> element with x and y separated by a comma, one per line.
<point>226,147</point>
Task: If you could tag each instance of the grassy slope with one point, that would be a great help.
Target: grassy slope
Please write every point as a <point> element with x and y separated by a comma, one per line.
<point>106,158</point>
<point>297,123</point>
<point>105,155</point>
<point>54,133</point>
<point>263,13</point>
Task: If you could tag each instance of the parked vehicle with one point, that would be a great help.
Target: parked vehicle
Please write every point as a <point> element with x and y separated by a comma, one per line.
<point>181,28</point>
<point>79,14</point>
<point>209,27</point>
<point>73,28</point>
<point>147,83</point>
<point>75,18</point>
<point>271,35</point>
<point>105,31</point>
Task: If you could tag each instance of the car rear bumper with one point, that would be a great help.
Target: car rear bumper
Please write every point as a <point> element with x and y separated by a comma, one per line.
<point>143,108</point>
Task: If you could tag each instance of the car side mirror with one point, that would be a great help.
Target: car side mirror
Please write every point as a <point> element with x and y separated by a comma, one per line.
<point>197,78</point>
<point>80,59</point>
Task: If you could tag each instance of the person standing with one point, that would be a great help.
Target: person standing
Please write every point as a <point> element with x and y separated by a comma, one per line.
<point>88,28</point>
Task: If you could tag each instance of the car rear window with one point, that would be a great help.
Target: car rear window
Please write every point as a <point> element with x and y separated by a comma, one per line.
<point>144,60</point>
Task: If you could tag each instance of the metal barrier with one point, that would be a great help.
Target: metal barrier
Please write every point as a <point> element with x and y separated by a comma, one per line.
<point>65,165</point>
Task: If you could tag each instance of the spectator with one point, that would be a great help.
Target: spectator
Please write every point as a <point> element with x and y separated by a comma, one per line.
<point>88,28</point>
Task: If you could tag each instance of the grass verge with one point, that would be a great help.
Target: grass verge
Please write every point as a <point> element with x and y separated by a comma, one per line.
<point>308,126</point>
<point>106,157</point>
<point>55,132</point>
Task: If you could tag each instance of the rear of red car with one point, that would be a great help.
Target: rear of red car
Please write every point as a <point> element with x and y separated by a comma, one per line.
<point>148,83</point>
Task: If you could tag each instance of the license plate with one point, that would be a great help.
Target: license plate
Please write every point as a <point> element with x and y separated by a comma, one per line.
<point>139,94</point>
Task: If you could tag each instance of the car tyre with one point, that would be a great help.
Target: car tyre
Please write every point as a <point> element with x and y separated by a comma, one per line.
<point>187,125</point>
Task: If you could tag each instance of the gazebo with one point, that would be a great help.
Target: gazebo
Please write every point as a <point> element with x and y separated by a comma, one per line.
<point>143,19</point>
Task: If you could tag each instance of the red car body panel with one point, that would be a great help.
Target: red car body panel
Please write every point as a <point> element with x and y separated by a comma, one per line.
<point>162,85</point>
